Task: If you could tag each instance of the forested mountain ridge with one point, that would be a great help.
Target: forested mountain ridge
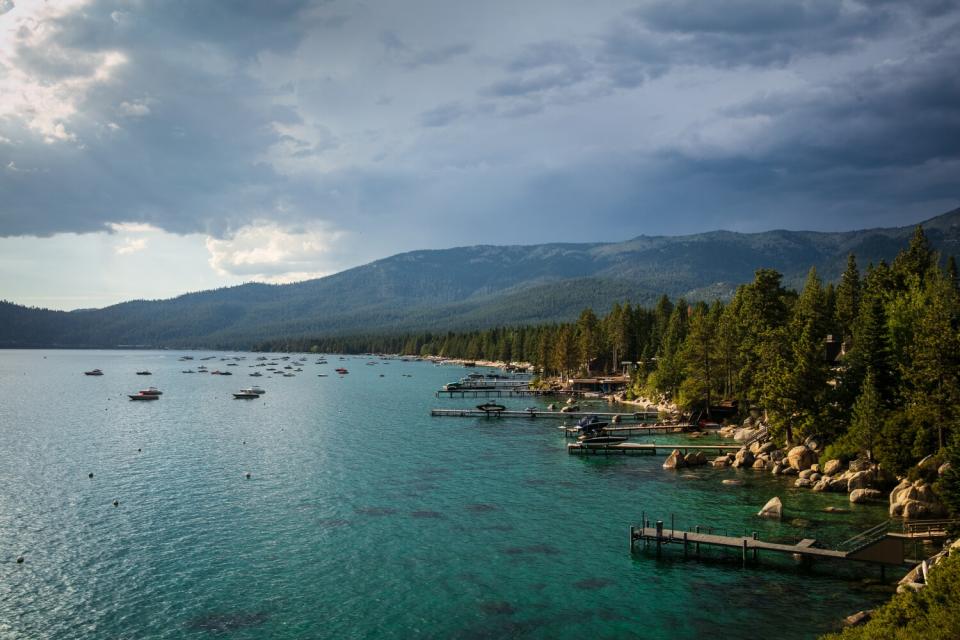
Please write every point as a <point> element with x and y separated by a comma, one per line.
<point>468,287</point>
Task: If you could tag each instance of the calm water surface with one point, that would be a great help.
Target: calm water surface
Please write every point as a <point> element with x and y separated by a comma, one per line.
<point>364,517</point>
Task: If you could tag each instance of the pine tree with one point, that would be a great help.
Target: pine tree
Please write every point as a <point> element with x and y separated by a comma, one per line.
<point>848,298</point>
<point>868,417</point>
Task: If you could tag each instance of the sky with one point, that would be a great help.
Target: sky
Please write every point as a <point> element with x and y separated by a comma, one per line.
<point>153,148</point>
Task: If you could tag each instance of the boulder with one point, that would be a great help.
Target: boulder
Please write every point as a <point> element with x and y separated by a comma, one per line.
<point>857,619</point>
<point>815,477</point>
<point>802,483</point>
<point>690,460</point>
<point>731,481</point>
<point>838,484</point>
<point>777,469</point>
<point>767,447</point>
<point>832,467</point>
<point>745,434</point>
<point>860,480</point>
<point>860,464</point>
<point>943,468</point>
<point>859,496</point>
<point>789,471</point>
<point>743,459</point>
<point>773,509</point>
<point>806,473</point>
<point>800,458</point>
<point>915,500</point>
<point>822,485</point>
<point>914,509</point>
<point>674,461</point>
<point>760,464</point>
<point>721,462</point>
<point>815,467</point>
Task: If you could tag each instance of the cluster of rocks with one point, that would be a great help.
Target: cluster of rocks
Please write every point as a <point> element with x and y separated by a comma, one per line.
<point>676,460</point>
<point>913,500</point>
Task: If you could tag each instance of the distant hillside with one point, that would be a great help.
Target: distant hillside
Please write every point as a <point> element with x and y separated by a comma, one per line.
<point>467,287</point>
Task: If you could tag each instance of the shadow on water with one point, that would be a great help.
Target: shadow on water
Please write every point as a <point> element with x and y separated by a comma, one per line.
<point>226,622</point>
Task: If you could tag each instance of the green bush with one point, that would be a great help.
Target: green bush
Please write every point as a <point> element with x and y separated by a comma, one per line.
<point>933,613</point>
<point>840,450</point>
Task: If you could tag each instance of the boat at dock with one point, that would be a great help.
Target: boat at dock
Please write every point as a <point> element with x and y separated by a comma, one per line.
<point>491,407</point>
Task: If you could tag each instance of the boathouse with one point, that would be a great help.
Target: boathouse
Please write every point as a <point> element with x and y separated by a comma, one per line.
<point>612,384</point>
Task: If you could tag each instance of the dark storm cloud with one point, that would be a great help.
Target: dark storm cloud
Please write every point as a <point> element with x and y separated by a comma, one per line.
<point>467,121</point>
<point>190,162</point>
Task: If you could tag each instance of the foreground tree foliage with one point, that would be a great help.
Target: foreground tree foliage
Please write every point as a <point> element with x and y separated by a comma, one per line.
<point>933,613</point>
<point>894,392</point>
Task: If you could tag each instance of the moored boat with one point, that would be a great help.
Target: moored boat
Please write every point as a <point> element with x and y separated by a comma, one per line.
<point>245,396</point>
<point>93,372</point>
<point>144,373</point>
<point>491,407</point>
<point>143,396</point>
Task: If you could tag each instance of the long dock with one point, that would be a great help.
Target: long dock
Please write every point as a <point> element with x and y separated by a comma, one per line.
<point>635,430</point>
<point>637,416</point>
<point>492,393</point>
<point>878,545</point>
<point>651,449</point>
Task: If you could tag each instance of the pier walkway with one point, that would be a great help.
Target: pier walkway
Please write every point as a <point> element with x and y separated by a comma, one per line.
<point>879,545</point>
<point>635,430</point>
<point>651,448</point>
<point>636,417</point>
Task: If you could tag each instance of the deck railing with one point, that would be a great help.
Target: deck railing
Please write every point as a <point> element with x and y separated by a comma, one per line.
<point>866,538</point>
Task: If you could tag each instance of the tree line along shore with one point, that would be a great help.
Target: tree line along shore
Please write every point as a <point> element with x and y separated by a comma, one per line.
<point>869,365</point>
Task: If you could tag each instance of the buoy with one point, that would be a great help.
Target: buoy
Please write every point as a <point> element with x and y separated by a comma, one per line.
<point>20,560</point>
<point>139,450</point>
<point>248,475</point>
<point>116,503</point>
<point>90,475</point>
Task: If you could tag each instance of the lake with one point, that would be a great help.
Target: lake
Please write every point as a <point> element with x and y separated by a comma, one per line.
<point>364,517</point>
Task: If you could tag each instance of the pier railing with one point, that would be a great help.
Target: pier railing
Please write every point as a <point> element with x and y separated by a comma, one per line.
<point>865,538</point>
<point>927,527</point>
<point>762,436</point>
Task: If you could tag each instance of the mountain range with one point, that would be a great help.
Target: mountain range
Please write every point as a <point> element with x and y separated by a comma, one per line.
<point>468,287</point>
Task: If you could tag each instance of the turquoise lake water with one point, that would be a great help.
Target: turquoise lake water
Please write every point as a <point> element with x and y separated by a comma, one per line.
<point>363,517</point>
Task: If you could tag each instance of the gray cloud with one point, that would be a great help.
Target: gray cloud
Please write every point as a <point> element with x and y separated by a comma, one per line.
<point>405,134</point>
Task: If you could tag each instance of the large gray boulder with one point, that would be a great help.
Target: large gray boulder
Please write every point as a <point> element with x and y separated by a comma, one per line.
<point>832,467</point>
<point>801,458</point>
<point>859,496</point>
<point>674,461</point>
<point>743,459</point>
<point>773,509</point>
<point>721,462</point>
<point>860,464</point>
<point>860,480</point>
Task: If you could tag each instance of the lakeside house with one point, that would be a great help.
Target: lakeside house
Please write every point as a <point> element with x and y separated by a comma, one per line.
<point>604,385</point>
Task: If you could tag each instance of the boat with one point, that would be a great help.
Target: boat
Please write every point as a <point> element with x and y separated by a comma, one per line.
<point>144,396</point>
<point>491,407</point>
<point>245,396</point>
<point>151,391</point>
<point>593,431</point>
<point>93,372</point>
<point>144,373</point>
<point>256,374</point>
<point>341,370</point>
<point>254,389</point>
<point>188,371</point>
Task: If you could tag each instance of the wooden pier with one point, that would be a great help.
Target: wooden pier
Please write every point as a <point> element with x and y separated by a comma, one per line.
<point>492,393</point>
<point>635,430</point>
<point>879,545</point>
<point>636,417</point>
<point>651,449</point>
